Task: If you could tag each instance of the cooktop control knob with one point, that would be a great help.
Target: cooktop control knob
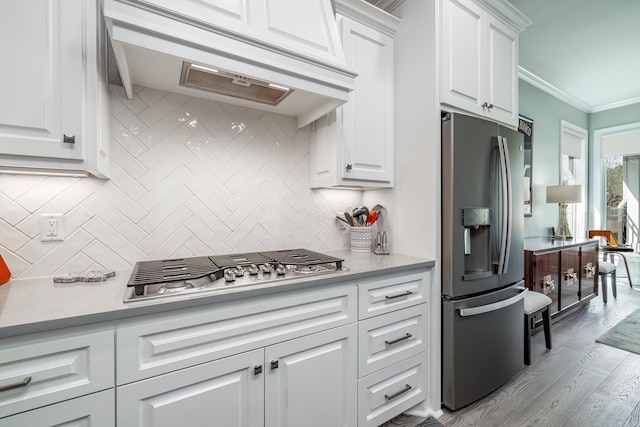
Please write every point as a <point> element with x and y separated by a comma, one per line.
<point>239,271</point>
<point>266,268</point>
<point>229,275</point>
<point>253,269</point>
<point>280,270</point>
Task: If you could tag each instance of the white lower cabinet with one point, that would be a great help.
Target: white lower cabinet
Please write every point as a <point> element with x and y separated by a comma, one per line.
<point>344,355</point>
<point>392,345</point>
<point>309,381</point>
<point>94,410</point>
<point>229,391</point>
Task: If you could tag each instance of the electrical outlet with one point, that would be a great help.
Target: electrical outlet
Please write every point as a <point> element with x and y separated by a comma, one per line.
<point>51,227</point>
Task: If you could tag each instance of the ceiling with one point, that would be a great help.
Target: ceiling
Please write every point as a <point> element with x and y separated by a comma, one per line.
<point>585,52</point>
<point>588,51</point>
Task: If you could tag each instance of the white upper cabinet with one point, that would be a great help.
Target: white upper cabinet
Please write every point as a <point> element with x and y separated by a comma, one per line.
<point>479,62</point>
<point>52,95</point>
<point>353,146</point>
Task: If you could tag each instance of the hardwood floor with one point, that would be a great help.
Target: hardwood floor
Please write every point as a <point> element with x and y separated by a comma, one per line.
<point>578,383</point>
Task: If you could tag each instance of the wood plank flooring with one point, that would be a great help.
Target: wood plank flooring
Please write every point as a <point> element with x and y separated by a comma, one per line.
<point>578,383</point>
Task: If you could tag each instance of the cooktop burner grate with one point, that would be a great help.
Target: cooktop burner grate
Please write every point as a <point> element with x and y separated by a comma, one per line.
<point>302,257</point>
<point>150,272</point>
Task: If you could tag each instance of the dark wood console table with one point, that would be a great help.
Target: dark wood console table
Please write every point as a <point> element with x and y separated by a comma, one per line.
<point>566,271</point>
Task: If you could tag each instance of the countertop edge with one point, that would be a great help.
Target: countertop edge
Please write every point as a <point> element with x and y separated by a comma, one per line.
<point>398,263</point>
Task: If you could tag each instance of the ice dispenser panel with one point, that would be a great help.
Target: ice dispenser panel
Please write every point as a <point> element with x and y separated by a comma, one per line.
<point>477,243</point>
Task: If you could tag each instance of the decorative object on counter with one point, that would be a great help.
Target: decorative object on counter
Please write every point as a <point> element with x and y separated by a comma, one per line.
<point>563,195</point>
<point>5,274</point>
<point>361,221</point>
<point>381,244</point>
<point>361,239</point>
<point>89,276</point>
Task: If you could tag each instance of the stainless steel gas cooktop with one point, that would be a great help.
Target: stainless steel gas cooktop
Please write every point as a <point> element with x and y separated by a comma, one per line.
<point>183,276</point>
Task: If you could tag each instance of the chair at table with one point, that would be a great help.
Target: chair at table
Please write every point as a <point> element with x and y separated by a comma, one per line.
<point>612,247</point>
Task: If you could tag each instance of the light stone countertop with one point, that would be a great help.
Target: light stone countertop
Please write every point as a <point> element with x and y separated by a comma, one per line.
<point>39,304</point>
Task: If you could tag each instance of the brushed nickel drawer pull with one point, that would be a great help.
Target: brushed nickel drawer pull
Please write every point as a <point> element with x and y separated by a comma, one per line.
<point>407,336</point>
<point>257,370</point>
<point>401,294</point>
<point>398,393</point>
<point>274,364</point>
<point>22,383</point>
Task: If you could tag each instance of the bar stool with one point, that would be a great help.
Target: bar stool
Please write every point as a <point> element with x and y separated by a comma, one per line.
<point>607,270</point>
<point>535,303</point>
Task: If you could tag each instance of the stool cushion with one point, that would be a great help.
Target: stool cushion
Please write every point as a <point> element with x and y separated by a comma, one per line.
<point>606,267</point>
<point>534,301</point>
<point>619,248</point>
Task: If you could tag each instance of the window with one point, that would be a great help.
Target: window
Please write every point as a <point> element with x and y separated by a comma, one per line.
<point>621,164</point>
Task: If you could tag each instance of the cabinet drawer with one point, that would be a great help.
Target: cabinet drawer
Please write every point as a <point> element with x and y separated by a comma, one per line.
<point>158,344</point>
<point>391,391</point>
<point>41,369</point>
<point>392,293</point>
<point>95,410</point>
<point>387,339</point>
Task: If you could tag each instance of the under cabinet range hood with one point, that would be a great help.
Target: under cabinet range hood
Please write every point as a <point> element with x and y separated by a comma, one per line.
<point>283,56</point>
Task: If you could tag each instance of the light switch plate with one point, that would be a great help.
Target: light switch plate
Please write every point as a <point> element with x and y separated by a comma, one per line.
<point>51,227</point>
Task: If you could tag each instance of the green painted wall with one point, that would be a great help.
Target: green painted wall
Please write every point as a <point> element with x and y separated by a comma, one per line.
<point>615,117</point>
<point>547,113</point>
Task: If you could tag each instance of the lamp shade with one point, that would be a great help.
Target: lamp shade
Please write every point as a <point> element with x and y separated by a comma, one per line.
<point>564,194</point>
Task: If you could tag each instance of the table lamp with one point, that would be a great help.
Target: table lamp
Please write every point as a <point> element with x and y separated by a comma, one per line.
<point>563,195</point>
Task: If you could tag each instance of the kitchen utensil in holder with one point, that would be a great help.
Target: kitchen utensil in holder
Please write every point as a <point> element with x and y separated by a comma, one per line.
<point>361,239</point>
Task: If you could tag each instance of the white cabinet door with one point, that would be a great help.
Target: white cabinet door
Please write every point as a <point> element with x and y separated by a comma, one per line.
<point>354,146</point>
<point>462,74</point>
<point>502,71</point>
<point>479,63</point>
<point>49,85</point>
<point>94,410</point>
<point>226,393</point>
<point>311,381</point>
<point>367,119</point>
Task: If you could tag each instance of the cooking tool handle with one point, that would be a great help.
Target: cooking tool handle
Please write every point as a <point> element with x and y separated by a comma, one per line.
<point>473,311</point>
<point>5,274</point>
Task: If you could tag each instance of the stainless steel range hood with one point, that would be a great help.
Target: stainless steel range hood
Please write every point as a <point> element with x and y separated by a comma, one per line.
<point>283,56</point>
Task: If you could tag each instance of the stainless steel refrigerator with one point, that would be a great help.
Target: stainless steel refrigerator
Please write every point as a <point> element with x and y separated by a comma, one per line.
<point>482,257</point>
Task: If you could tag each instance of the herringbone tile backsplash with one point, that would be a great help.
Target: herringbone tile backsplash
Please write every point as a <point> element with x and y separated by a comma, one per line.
<point>189,177</point>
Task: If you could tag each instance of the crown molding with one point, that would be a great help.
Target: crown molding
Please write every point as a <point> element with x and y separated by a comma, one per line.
<point>544,86</point>
<point>534,80</point>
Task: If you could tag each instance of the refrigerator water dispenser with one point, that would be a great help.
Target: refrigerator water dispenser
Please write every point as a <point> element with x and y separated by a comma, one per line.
<point>477,243</point>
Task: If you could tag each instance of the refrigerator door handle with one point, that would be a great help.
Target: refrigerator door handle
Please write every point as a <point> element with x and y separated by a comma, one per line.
<point>506,206</point>
<point>474,311</point>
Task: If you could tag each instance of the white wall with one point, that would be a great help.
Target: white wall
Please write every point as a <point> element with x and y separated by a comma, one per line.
<point>189,177</point>
<point>414,221</point>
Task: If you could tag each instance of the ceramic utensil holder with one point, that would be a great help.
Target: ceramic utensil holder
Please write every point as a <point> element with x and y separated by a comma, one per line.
<point>361,239</point>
